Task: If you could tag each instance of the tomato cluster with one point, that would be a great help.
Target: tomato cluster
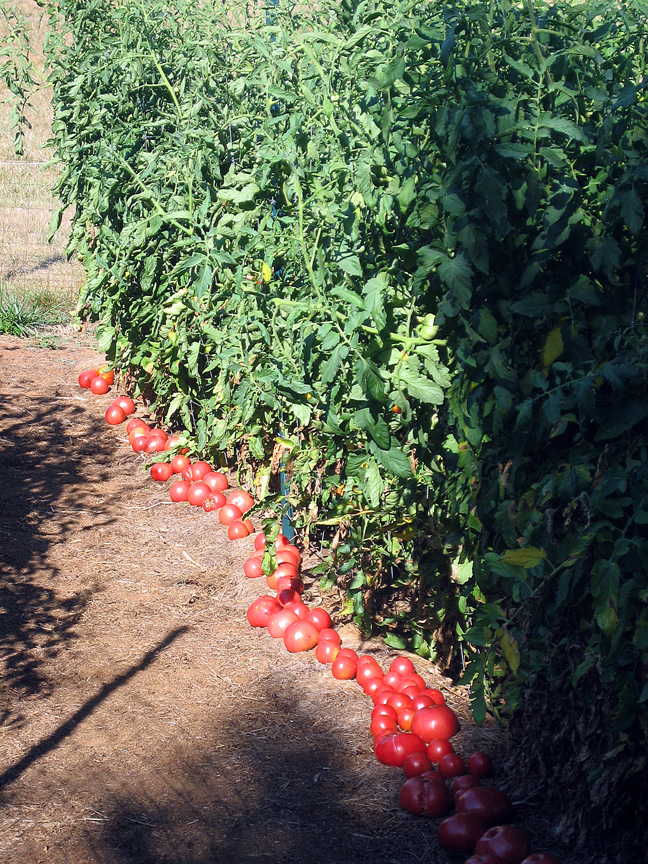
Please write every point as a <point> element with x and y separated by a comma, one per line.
<point>410,723</point>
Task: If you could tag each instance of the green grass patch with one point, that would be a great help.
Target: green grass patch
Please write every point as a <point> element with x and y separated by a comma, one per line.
<point>26,314</point>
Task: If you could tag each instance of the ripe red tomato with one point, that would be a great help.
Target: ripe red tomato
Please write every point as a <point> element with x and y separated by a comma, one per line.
<point>451,765</point>
<point>438,748</point>
<point>197,494</point>
<point>248,524</point>
<point>287,595</point>
<point>228,513</point>
<point>398,701</point>
<point>272,580</point>
<point>300,609</point>
<point>393,679</point>
<point>281,541</point>
<point>199,470</point>
<point>286,570</point>
<point>460,833</point>
<point>236,530</point>
<point>154,443</point>
<point>349,652</point>
<point>483,859</point>
<point>99,386</point>
<point>402,666</point>
<point>326,651</point>
<point>415,680</point>
<point>86,377</point>
<point>394,748</point>
<point>436,696</point>
<point>384,711</point>
<point>415,764</point>
<point>159,432</point>
<point>278,623</point>
<point>300,636</point>
<point>405,720</point>
<point>382,724</point>
<point>438,721</point>
<point>125,403</point>
<point>253,568</point>
<point>328,634</point>
<point>344,667</point>
<point>463,782</point>
<point>372,685</point>
<point>114,415</point>
<point>480,765</point>
<point>216,481</point>
<point>288,555</point>
<point>260,610</point>
<point>179,463</point>
<point>293,582</point>
<point>138,442</point>
<point>260,541</point>
<point>421,701</point>
<point>540,858</point>
<point>134,422</point>
<point>424,797</point>
<point>366,671</point>
<point>507,842</point>
<point>108,374</point>
<point>488,804</point>
<point>179,490</point>
<point>319,617</point>
<point>214,501</point>
<point>382,694</point>
<point>161,471</point>
<point>171,442</point>
<point>242,499</point>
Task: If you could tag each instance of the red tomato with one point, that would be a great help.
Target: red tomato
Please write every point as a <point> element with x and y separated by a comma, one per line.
<point>86,378</point>
<point>179,463</point>
<point>214,501</point>
<point>199,470</point>
<point>438,721</point>
<point>507,842</point>
<point>366,671</point>
<point>483,859</point>
<point>286,570</point>
<point>349,652</point>
<point>372,685</point>
<point>398,701</point>
<point>344,667</point>
<point>300,636</point>
<point>242,499</point>
<point>382,724</point>
<point>423,797</point>
<point>160,432</point>
<point>415,764</point>
<point>411,692</point>
<point>99,386</point>
<point>384,711</point>
<point>281,541</point>
<point>260,541</point>
<point>236,530</point>
<point>253,568</point>
<point>460,833</point>
<point>134,422</point>
<point>490,805</point>
<point>216,481</point>
<point>161,471</point>
<point>439,748</point>
<point>278,623</point>
<point>287,595</point>
<point>393,679</point>
<point>382,694</point>
<point>394,748</point>
<point>415,680</point>
<point>328,634</point>
<point>248,524</point>
<point>114,415</point>
<point>293,582</point>
<point>421,702</point>
<point>436,696</point>
<point>402,665</point>
<point>326,651</point>
<point>451,765</point>
<point>228,513</point>
<point>154,444</point>
<point>197,494</point>
<point>541,858</point>
<point>300,609</point>
<point>108,374</point>
<point>125,403</point>
<point>463,782</point>
<point>138,442</point>
<point>480,765</point>
<point>171,442</point>
<point>288,555</point>
<point>320,618</point>
<point>405,720</point>
<point>179,491</point>
<point>272,580</point>
<point>261,609</point>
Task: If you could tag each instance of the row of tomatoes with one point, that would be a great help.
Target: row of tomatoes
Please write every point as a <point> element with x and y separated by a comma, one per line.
<point>410,723</point>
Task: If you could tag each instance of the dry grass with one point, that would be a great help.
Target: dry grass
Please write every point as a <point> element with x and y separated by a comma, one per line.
<point>28,263</point>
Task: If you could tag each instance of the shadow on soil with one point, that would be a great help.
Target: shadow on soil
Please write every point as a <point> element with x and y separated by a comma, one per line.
<point>262,790</point>
<point>47,483</point>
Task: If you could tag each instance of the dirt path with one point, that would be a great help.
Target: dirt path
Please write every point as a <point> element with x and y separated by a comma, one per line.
<point>141,718</point>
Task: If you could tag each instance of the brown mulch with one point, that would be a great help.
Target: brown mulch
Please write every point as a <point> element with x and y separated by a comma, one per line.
<point>141,718</point>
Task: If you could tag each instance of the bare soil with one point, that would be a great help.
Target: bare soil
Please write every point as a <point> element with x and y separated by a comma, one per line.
<point>142,720</point>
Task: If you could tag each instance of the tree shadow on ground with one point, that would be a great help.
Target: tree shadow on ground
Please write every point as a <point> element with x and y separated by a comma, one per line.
<point>288,791</point>
<point>42,493</point>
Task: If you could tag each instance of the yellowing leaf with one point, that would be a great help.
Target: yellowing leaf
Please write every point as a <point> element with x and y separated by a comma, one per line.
<point>527,557</point>
<point>511,650</point>
<point>266,272</point>
<point>553,347</point>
